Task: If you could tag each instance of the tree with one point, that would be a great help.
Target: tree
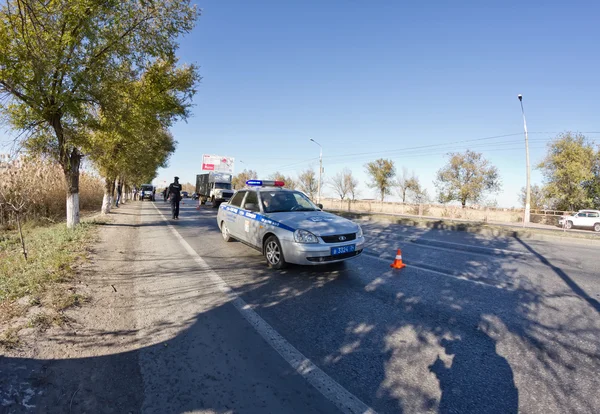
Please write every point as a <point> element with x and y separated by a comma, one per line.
<point>288,180</point>
<point>538,198</point>
<point>62,63</point>
<point>406,183</point>
<point>352,184</point>
<point>342,183</point>
<point>382,174</point>
<point>307,183</point>
<point>239,181</point>
<point>568,170</point>
<point>593,186</point>
<point>418,194</point>
<point>466,178</point>
<point>131,142</point>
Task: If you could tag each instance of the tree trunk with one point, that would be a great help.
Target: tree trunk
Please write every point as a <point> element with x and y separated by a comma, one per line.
<point>464,203</point>
<point>107,199</point>
<point>70,160</point>
<point>71,171</point>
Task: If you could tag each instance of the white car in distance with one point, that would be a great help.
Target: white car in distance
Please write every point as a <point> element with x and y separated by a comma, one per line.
<point>586,219</point>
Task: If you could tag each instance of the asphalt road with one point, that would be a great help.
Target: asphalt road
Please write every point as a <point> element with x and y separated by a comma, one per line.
<point>471,325</point>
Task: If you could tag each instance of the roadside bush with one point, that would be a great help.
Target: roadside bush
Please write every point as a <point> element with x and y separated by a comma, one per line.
<point>38,186</point>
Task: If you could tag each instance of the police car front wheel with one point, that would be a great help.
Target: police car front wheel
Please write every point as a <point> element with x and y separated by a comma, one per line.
<point>274,253</point>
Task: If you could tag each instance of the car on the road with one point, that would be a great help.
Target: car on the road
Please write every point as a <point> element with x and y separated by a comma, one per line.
<point>184,194</point>
<point>589,219</point>
<point>286,227</point>
<point>195,196</point>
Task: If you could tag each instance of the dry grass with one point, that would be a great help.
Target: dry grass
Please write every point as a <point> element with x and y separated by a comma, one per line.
<point>9,339</point>
<point>62,299</point>
<point>43,321</point>
<point>40,184</point>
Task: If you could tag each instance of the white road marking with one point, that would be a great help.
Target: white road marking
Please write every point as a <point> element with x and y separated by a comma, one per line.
<point>327,386</point>
<point>492,249</point>
<point>426,269</point>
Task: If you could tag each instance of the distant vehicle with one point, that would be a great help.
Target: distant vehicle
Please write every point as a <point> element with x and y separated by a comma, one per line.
<point>194,196</point>
<point>215,187</point>
<point>184,194</point>
<point>583,219</point>
<point>147,192</point>
<point>286,227</point>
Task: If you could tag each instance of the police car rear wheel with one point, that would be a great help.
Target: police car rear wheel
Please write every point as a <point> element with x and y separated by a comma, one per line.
<point>225,232</point>
<point>274,253</point>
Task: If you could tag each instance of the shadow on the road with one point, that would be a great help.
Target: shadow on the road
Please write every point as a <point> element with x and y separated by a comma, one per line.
<point>403,341</point>
<point>565,278</point>
<point>497,394</point>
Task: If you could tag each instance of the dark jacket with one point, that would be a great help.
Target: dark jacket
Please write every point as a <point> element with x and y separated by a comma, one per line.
<point>174,191</point>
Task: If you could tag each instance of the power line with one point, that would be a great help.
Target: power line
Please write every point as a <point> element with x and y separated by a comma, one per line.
<point>419,154</point>
<point>360,155</point>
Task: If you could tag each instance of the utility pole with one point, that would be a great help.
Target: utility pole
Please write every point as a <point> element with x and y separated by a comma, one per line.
<point>527,214</point>
<point>320,169</point>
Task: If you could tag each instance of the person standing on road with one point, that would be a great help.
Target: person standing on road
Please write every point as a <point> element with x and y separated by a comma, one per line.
<point>174,194</point>
<point>164,193</point>
<point>119,193</point>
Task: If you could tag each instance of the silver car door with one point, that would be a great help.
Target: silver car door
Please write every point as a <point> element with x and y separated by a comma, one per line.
<point>249,223</point>
<point>233,214</point>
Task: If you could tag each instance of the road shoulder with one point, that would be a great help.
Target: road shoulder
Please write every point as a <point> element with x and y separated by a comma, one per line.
<point>90,359</point>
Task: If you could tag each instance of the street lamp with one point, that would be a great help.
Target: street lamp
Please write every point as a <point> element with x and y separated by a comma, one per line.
<point>526,217</point>
<point>320,169</point>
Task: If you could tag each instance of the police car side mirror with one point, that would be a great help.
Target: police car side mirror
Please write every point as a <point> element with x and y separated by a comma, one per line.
<point>320,206</point>
<point>250,207</point>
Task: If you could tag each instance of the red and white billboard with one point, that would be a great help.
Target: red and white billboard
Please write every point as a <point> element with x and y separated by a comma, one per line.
<point>217,163</point>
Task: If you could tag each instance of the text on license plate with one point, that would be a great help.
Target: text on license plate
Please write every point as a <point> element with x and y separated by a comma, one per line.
<point>343,249</point>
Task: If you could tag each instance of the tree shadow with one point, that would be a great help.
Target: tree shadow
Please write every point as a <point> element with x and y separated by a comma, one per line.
<point>494,336</point>
<point>564,277</point>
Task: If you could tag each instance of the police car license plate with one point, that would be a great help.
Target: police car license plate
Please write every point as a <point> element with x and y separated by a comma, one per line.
<point>343,249</point>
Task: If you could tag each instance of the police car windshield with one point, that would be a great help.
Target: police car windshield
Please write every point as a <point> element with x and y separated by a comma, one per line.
<point>285,201</point>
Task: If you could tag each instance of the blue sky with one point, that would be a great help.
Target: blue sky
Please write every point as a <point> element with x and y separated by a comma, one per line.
<point>378,78</point>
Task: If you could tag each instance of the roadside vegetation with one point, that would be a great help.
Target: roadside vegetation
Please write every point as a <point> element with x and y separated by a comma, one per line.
<point>39,255</point>
<point>35,292</point>
<point>570,168</point>
<point>90,90</point>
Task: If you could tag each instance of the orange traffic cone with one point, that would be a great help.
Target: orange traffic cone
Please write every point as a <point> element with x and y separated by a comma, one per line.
<point>398,261</point>
<point>198,206</point>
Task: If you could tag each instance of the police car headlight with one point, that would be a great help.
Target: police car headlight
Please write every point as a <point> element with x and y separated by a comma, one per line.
<point>303,236</point>
<point>359,233</point>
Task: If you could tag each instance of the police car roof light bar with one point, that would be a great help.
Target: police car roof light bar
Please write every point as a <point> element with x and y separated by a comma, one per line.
<point>264,183</point>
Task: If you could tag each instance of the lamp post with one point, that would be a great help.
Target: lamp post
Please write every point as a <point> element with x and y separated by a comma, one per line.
<point>526,216</point>
<point>320,169</point>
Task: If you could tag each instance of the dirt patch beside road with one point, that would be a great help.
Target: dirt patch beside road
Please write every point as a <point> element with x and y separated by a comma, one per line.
<point>60,368</point>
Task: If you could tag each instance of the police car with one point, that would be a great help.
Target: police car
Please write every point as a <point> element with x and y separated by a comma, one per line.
<point>286,227</point>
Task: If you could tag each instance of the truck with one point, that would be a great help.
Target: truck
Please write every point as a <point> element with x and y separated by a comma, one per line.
<point>214,186</point>
<point>147,192</point>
